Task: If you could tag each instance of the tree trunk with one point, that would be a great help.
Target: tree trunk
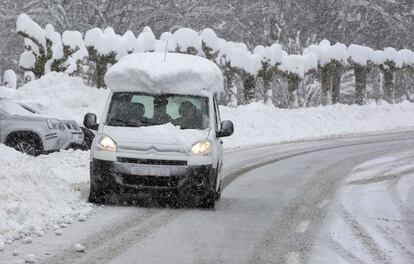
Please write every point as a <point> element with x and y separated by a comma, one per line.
<point>326,82</point>
<point>249,87</point>
<point>360,83</point>
<point>100,73</point>
<point>231,89</point>
<point>293,85</point>
<point>389,85</point>
<point>336,82</point>
<point>267,90</point>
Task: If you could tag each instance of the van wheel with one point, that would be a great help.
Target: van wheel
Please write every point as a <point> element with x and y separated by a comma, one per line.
<point>96,194</point>
<point>209,202</point>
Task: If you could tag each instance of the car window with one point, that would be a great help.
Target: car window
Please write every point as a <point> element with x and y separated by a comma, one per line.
<point>133,109</point>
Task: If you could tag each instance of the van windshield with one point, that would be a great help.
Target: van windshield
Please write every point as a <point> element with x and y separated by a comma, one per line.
<point>134,109</point>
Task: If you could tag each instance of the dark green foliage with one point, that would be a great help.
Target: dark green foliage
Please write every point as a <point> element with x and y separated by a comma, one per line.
<point>325,82</point>
<point>293,86</point>
<point>210,54</point>
<point>337,71</point>
<point>249,85</point>
<point>266,73</point>
<point>229,73</point>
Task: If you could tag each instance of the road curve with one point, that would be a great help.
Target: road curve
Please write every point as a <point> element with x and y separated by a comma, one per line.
<point>274,201</point>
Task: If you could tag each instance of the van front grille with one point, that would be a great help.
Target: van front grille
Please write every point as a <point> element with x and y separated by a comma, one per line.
<point>153,161</point>
<point>150,181</point>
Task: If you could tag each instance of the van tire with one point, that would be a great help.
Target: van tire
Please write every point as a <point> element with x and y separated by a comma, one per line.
<point>96,194</point>
<point>209,202</point>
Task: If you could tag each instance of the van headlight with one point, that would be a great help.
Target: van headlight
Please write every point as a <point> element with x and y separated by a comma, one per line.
<point>201,147</point>
<point>106,143</point>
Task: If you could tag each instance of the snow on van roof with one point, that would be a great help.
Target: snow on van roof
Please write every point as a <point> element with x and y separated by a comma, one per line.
<point>178,73</point>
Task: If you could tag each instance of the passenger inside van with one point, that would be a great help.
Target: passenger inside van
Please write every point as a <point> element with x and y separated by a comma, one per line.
<point>190,117</point>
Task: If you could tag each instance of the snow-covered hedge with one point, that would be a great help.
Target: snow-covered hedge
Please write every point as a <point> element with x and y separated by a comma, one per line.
<point>47,50</point>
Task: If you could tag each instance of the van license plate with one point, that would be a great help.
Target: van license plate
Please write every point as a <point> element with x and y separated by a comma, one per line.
<point>151,171</point>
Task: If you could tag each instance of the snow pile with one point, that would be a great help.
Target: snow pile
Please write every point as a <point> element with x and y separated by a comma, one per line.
<point>146,41</point>
<point>327,53</point>
<point>258,124</point>
<point>273,54</point>
<point>169,40</point>
<point>27,26</point>
<point>57,94</point>
<point>209,37</point>
<point>106,42</point>
<point>187,38</point>
<point>72,39</point>
<point>33,198</point>
<point>407,56</point>
<point>27,60</point>
<point>360,54</point>
<point>158,73</point>
<point>299,64</point>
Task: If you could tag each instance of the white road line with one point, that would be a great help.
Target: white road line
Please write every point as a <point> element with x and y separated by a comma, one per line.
<point>302,227</point>
<point>293,258</point>
<point>323,203</point>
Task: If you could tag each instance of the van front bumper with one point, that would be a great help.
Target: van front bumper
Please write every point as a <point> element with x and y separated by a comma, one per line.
<point>132,179</point>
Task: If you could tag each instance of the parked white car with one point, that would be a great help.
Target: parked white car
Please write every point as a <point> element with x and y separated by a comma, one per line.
<point>25,130</point>
<point>160,133</point>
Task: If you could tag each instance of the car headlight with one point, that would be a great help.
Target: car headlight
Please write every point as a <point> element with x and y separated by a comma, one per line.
<point>201,148</point>
<point>106,143</point>
<point>55,124</point>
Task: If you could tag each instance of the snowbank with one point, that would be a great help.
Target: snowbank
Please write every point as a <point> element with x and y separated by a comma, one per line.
<point>159,72</point>
<point>257,124</point>
<point>32,197</point>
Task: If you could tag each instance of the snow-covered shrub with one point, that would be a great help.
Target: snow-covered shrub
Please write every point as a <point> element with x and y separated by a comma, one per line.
<point>104,48</point>
<point>146,41</point>
<point>331,61</point>
<point>360,58</point>
<point>188,41</point>
<point>389,61</point>
<point>74,50</point>
<point>10,79</point>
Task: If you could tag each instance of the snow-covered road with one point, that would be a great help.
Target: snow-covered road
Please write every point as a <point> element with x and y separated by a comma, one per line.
<point>277,204</point>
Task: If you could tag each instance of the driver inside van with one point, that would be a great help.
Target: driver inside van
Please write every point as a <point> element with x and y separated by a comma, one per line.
<point>136,114</point>
<point>190,117</point>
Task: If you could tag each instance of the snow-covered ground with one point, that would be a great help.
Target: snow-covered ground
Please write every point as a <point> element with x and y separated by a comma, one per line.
<point>371,220</point>
<point>38,193</point>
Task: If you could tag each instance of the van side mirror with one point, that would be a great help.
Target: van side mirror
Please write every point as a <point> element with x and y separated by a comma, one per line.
<point>90,121</point>
<point>226,130</point>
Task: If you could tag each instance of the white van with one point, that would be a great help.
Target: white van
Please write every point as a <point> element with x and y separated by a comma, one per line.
<point>160,133</point>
